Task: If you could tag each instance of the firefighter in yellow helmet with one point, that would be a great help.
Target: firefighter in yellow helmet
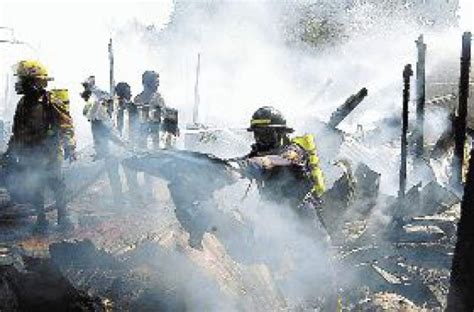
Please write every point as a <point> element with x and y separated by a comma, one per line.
<point>42,136</point>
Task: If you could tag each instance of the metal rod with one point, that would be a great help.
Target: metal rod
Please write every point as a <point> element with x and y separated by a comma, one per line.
<point>407,73</point>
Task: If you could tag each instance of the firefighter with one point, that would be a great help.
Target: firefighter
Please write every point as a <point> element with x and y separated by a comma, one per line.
<point>287,168</point>
<point>127,108</point>
<point>287,171</point>
<point>123,103</point>
<point>42,136</point>
<point>99,113</point>
<point>158,121</point>
<point>150,104</point>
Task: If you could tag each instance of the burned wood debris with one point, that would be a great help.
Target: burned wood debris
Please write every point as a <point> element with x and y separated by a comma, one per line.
<point>127,261</point>
<point>39,286</point>
<point>345,109</point>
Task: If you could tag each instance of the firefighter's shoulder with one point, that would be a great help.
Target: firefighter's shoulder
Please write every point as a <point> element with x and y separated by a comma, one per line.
<point>59,98</point>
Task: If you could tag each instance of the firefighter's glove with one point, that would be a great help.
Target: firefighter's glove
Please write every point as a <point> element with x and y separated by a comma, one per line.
<point>255,167</point>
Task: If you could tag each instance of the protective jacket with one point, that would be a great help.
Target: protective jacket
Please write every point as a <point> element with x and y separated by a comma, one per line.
<point>120,104</point>
<point>97,109</point>
<point>42,126</point>
<point>290,172</point>
<point>151,106</point>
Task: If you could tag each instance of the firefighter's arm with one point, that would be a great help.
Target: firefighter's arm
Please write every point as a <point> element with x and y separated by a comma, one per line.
<point>12,142</point>
<point>270,161</point>
<point>87,108</point>
<point>292,155</point>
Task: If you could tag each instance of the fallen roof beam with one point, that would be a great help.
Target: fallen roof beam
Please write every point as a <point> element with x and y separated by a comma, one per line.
<point>345,109</point>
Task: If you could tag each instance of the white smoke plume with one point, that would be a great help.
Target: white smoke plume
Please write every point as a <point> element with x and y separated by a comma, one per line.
<point>71,39</point>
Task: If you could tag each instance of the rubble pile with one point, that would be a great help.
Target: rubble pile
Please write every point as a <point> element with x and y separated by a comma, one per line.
<point>46,289</point>
<point>125,258</point>
<point>392,254</point>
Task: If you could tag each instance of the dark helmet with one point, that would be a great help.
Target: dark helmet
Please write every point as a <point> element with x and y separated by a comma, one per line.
<point>122,89</point>
<point>150,77</point>
<point>269,117</point>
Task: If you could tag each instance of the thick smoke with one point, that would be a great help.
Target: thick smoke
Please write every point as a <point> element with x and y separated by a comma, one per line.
<point>247,61</point>
<point>71,40</point>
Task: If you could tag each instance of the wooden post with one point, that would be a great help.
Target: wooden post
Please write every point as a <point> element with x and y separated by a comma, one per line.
<point>420,98</point>
<point>461,290</point>
<point>111,70</point>
<point>407,73</point>
<point>461,118</point>
<point>6,100</point>
<point>196,92</point>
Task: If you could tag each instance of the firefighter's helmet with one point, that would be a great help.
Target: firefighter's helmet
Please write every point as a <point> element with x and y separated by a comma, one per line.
<point>268,117</point>
<point>150,77</point>
<point>122,89</point>
<point>32,69</point>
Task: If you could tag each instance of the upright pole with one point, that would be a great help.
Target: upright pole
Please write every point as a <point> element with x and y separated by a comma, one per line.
<point>461,289</point>
<point>196,92</point>
<point>111,69</point>
<point>6,111</point>
<point>420,98</point>
<point>461,118</point>
<point>407,73</point>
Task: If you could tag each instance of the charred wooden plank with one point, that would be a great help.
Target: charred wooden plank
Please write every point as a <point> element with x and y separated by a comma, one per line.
<point>345,109</point>
<point>461,293</point>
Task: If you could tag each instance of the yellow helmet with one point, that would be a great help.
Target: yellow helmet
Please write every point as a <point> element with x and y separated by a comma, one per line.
<point>32,69</point>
